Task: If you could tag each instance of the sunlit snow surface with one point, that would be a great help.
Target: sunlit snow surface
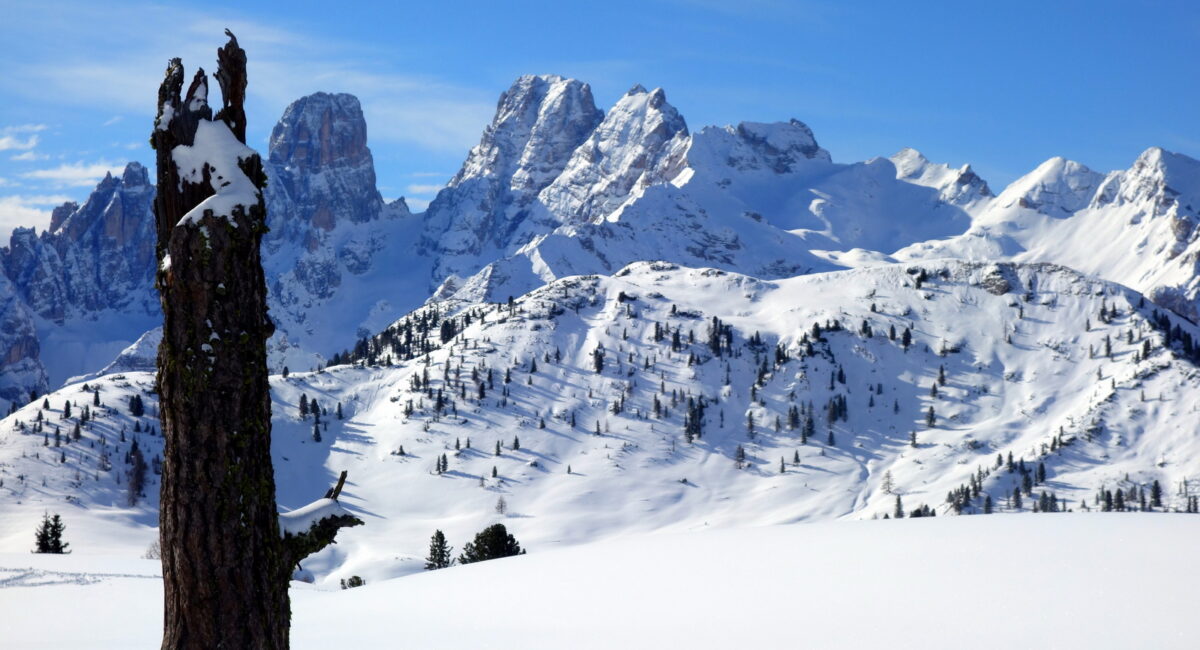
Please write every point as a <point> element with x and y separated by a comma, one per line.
<point>1095,581</point>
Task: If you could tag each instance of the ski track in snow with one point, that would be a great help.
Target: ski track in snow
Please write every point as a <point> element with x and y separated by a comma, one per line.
<point>33,577</point>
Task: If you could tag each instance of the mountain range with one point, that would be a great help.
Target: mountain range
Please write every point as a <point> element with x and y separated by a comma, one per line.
<point>606,314</point>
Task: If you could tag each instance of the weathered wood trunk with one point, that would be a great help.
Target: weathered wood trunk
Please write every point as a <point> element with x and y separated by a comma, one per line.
<point>225,570</point>
<point>225,566</point>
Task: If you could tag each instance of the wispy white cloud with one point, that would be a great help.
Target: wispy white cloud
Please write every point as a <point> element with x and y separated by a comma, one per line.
<point>418,188</point>
<point>78,174</point>
<point>415,204</point>
<point>18,211</point>
<point>117,55</point>
<point>29,155</point>
<point>8,142</point>
<point>112,120</point>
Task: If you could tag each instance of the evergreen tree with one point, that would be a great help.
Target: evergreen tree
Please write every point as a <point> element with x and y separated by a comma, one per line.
<point>137,474</point>
<point>303,406</point>
<point>1156,495</point>
<point>987,505</point>
<point>439,552</point>
<point>899,511</point>
<point>516,443</point>
<point>339,410</point>
<point>48,536</point>
<point>491,543</point>
<point>316,432</point>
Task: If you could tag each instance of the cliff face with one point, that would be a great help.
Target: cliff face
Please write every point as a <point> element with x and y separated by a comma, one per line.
<point>484,210</point>
<point>321,168</point>
<point>94,257</point>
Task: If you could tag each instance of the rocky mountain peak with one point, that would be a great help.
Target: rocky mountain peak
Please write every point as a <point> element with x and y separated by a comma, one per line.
<point>618,157</point>
<point>1057,187</point>
<point>960,187</point>
<point>319,131</point>
<point>539,122</point>
<point>1161,181</point>
<point>320,166</point>
<point>59,215</point>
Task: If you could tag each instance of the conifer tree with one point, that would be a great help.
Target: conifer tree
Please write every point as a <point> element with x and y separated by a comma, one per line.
<point>491,543</point>
<point>898,513</point>
<point>49,535</point>
<point>439,552</point>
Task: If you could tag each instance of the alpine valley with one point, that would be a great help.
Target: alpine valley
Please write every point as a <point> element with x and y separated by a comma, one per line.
<point>608,323</point>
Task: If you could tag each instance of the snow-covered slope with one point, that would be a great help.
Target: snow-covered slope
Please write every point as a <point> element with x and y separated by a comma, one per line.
<point>1059,370</point>
<point>1136,227</point>
<point>982,582</point>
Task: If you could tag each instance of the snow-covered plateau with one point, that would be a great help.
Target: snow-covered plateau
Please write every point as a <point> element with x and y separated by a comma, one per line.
<point>1088,581</point>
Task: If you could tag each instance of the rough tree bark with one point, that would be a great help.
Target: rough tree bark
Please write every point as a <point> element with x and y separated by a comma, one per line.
<point>225,565</point>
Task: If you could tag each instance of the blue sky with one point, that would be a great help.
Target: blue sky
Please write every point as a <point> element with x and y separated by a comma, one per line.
<point>1001,85</point>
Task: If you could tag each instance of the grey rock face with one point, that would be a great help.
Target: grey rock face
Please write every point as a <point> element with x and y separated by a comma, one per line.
<point>539,122</point>
<point>95,257</point>
<point>617,158</point>
<point>320,168</point>
<point>20,370</point>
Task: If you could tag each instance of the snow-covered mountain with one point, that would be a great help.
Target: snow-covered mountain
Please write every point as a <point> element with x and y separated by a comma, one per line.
<point>86,285</point>
<point>575,405</point>
<point>556,188</point>
<point>88,280</point>
<point>729,308</point>
<point>1136,226</point>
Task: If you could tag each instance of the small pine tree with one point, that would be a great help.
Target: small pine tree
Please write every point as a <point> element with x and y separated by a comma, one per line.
<point>439,552</point>
<point>316,432</point>
<point>898,513</point>
<point>48,536</point>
